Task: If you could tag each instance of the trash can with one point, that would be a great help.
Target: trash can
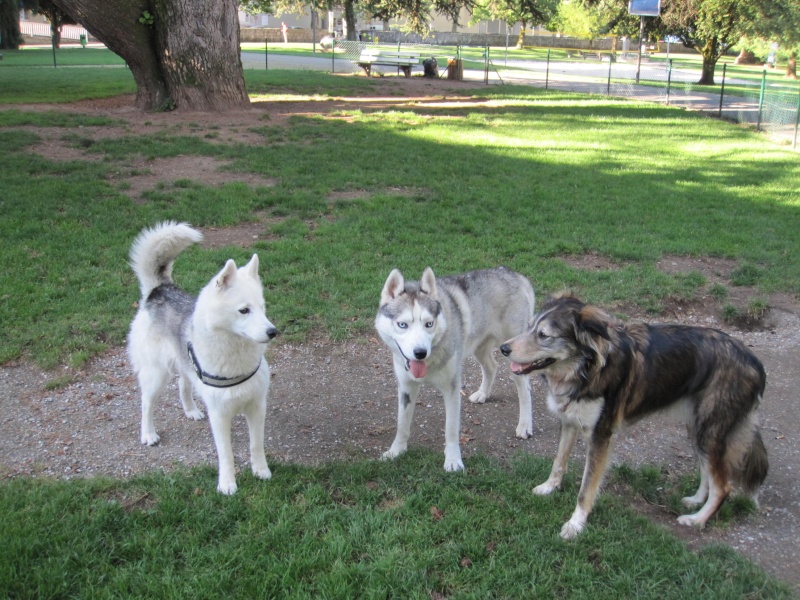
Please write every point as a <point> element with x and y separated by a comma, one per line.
<point>83,40</point>
<point>455,69</point>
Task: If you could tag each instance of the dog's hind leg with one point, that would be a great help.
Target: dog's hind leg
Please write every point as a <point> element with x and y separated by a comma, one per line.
<point>525,424</point>
<point>569,433</point>
<point>719,487</point>
<point>485,357</point>
<point>255,414</point>
<point>407,394</point>
<point>701,495</point>
<point>152,382</point>
<point>190,407</point>
<point>221,429</point>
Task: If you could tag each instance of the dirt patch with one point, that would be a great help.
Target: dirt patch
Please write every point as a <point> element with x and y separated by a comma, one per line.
<point>344,408</point>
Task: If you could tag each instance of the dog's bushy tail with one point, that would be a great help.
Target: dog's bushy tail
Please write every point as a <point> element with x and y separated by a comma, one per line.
<point>755,466</point>
<point>154,251</point>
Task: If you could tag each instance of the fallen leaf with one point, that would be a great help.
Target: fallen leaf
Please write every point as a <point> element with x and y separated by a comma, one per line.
<point>436,513</point>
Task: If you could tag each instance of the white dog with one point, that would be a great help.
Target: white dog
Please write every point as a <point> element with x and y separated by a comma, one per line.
<point>215,343</point>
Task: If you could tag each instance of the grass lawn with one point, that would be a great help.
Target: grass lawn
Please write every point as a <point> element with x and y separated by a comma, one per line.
<point>404,529</point>
<point>516,176</point>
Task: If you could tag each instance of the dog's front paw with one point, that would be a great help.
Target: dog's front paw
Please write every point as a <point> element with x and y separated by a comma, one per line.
<point>195,414</point>
<point>392,453</point>
<point>571,530</point>
<point>227,487</point>
<point>150,438</point>
<point>525,430</point>
<point>545,489</point>
<point>453,465</point>
<point>691,521</point>
<point>478,397</point>
<point>262,472</point>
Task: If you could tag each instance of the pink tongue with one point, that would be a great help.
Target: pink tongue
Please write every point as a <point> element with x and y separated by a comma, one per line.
<point>418,368</point>
<point>515,367</point>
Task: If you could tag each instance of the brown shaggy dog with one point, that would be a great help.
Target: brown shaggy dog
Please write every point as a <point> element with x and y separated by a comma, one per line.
<point>603,374</point>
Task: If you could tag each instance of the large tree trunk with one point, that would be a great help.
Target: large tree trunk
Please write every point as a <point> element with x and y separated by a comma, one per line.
<point>791,66</point>
<point>10,37</point>
<point>521,38</point>
<point>746,57</point>
<point>350,20</point>
<point>710,55</point>
<point>186,56</point>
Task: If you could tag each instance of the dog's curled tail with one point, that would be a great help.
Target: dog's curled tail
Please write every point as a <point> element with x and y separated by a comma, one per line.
<point>755,466</point>
<point>154,251</point>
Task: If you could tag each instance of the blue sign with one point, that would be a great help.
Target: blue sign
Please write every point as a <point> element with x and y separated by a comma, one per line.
<point>645,8</point>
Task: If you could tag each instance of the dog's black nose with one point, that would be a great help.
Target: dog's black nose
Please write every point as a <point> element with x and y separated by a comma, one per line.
<point>272,332</point>
<point>505,349</point>
<point>420,353</point>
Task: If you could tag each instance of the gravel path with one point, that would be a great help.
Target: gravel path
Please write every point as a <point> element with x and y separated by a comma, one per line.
<point>344,408</point>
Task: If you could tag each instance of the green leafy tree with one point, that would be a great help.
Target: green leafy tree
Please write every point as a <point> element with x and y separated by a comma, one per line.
<point>525,12</point>
<point>775,22</point>
<point>712,27</point>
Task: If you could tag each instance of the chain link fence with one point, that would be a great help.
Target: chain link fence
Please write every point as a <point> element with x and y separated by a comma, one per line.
<point>767,105</point>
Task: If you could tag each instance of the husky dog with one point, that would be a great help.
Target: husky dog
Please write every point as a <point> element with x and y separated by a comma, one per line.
<point>603,374</point>
<point>215,343</point>
<point>431,325</point>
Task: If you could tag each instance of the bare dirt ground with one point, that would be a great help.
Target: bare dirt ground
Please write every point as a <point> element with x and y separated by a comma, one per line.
<point>337,401</point>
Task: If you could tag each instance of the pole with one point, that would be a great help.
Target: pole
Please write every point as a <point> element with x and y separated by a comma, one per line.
<point>266,54</point>
<point>547,70</point>
<point>608,86</point>
<point>506,43</point>
<point>761,99</point>
<point>53,43</point>
<point>796,120</point>
<point>722,89</point>
<point>641,41</point>
<point>669,78</point>
<point>333,55</point>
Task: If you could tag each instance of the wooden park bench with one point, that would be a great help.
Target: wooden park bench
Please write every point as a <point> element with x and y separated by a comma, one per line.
<point>389,57</point>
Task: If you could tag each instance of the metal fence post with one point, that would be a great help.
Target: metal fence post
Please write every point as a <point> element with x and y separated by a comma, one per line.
<point>608,85</point>
<point>722,89</point>
<point>761,99</point>
<point>266,54</point>
<point>669,78</point>
<point>333,55</point>
<point>53,43</point>
<point>547,70</point>
<point>486,66</point>
<point>796,121</point>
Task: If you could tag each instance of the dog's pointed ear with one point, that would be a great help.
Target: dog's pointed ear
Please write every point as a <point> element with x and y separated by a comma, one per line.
<point>393,287</point>
<point>428,282</point>
<point>227,275</point>
<point>251,268</point>
<point>591,329</point>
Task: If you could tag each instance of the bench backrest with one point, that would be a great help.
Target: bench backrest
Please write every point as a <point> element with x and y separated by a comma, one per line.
<point>387,54</point>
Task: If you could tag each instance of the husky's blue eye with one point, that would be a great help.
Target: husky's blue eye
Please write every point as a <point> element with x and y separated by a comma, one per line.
<point>429,324</point>
<point>244,310</point>
<point>402,325</point>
